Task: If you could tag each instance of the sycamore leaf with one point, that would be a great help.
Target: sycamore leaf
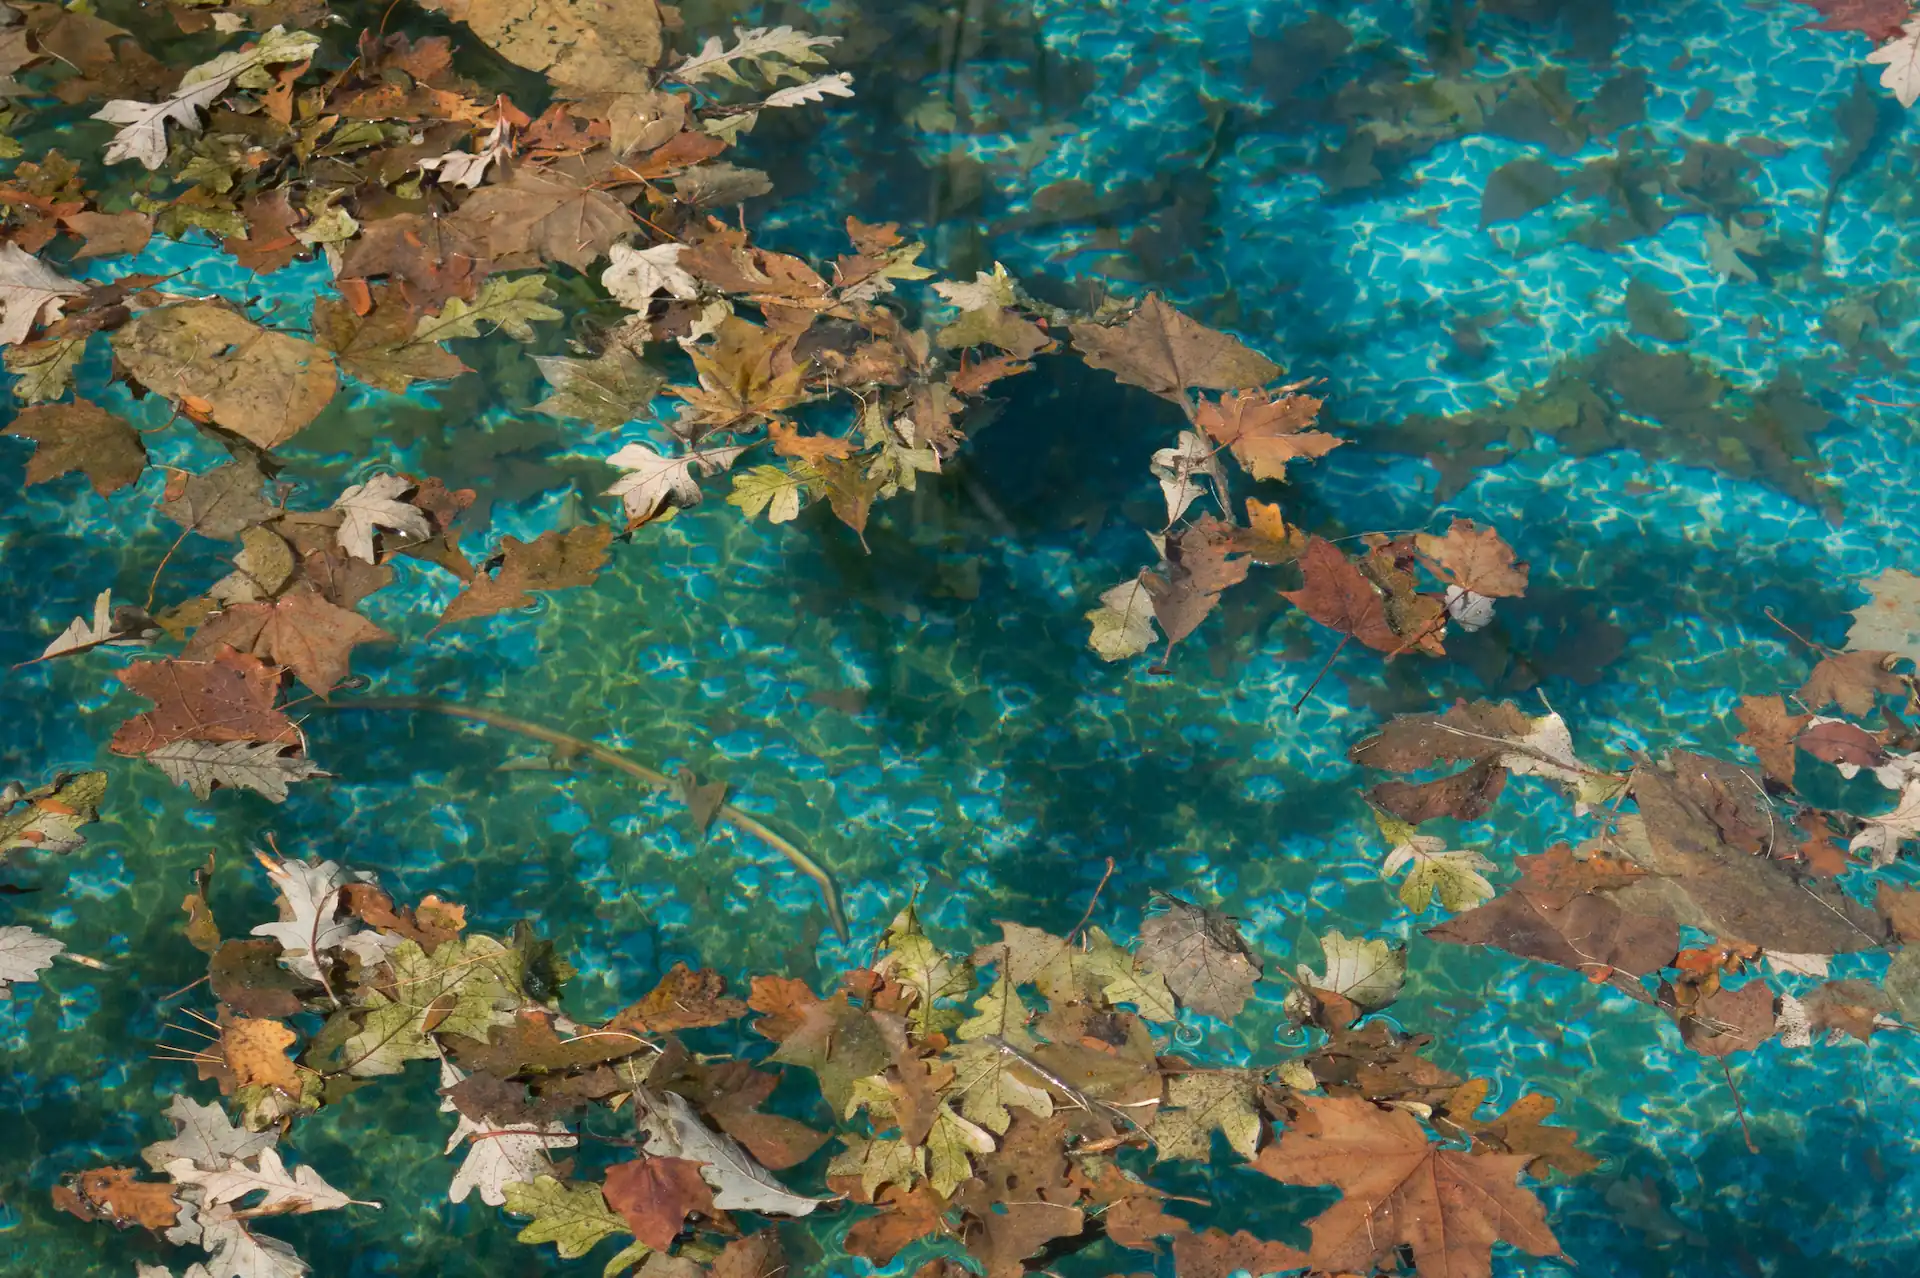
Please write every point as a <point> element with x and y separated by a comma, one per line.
<point>839,85</point>
<point>739,1183</point>
<point>48,818</point>
<point>1452,876</point>
<point>1265,434</point>
<point>1123,623</point>
<point>301,630</point>
<point>143,125</point>
<point>376,504</point>
<point>1206,961</point>
<point>309,904</point>
<point>1367,973</point>
<point>30,292</point>
<point>1901,58</point>
<point>552,561</point>
<point>511,306</point>
<point>261,384</point>
<point>82,635</point>
<point>572,1217</point>
<point>609,391</point>
<point>655,482</point>
<point>1401,1190</point>
<point>779,492</point>
<point>1207,1100</point>
<point>204,1136</point>
<point>80,436</point>
<point>951,1144</point>
<point>1167,353</point>
<point>24,954</point>
<point>990,1081</point>
<point>773,51</point>
<point>260,766</point>
<point>636,276</point>
<point>1338,594</point>
<point>302,1190</point>
<point>879,1163</point>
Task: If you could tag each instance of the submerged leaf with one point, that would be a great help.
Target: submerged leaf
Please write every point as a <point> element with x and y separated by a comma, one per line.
<point>609,391</point>
<point>552,561</point>
<point>24,954</point>
<point>572,1217</point>
<point>81,436</point>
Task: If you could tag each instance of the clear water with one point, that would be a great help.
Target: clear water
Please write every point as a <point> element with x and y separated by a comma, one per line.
<point>924,717</point>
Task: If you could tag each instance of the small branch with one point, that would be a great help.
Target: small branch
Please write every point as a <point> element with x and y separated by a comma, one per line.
<point>1331,658</point>
<point>1738,1107</point>
<point>1090,904</point>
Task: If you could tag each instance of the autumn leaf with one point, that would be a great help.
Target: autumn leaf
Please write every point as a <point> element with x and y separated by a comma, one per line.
<point>377,504</point>
<point>572,1217</point>
<point>109,234</point>
<point>1214,1253</point>
<point>1123,623</point>
<point>1878,20</point>
<point>1398,1189</point>
<point>1338,595</point>
<point>542,216</point>
<point>1265,434</point>
<point>1729,1021</point>
<point>300,630</point>
<point>1167,353</point>
<point>1452,877</point>
<point>1520,1130</point>
<point>1770,732</point>
<point>635,277</point>
<point>220,502</point>
<point>24,954</point>
<point>609,391</point>
<point>265,767</point>
<point>1365,973</point>
<point>1207,963</point>
<point>262,385</point>
<point>779,492</point>
<point>1901,62</point>
<point>80,436</point>
<point>142,134</point>
<point>512,306</point>
<point>1586,932</point>
<point>574,42</point>
<point>654,481</point>
<point>229,698</point>
<point>379,347</point>
<point>552,561</point>
<point>1201,1102</point>
<point>48,818</point>
<point>655,1195</point>
<point>1474,559</point>
<point>113,1194</point>
<point>684,999</point>
<point>30,293</point>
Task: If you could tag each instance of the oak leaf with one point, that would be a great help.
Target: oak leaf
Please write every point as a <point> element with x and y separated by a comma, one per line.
<point>80,436</point>
<point>48,818</point>
<point>1901,62</point>
<point>30,293</point>
<point>1265,434</point>
<point>1214,1253</point>
<point>684,999</point>
<point>1123,623</point>
<point>142,134</point>
<point>1167,353</point>
<point>1399,1189</point>
<point>264,767</point>
<point>262,385</point>
<point>906,1216</point>
<point>552,561</point>
<point>655,1195</point>
<point>301,1190</point>
<point>674,1130</point>
<point>572,1217</point>
<point>1769,733</point>
<point>113,1194</point>
<point>25,953</point>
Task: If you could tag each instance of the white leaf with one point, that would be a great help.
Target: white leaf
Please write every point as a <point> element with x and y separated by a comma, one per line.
<point>80,635</point>
<point>302,1190</point>
<point>309,899</point>
<point>248,765</point>
<point>143,132</point>
<point>839,85</point>
<point>674,1130</point>
<point>503,1154</point>
<point>1902,61</point>
<point>24,954</point>
<point>1368,972</point>
<point>1452,876</point>
<point>637,275</point>
<point>984,292</point>
<point>1181,471</point>
<point>759,46</point>
<point>469,168</point>
<point>204,1135</point>
<point>376,504</point>
<point>1469,610</point>
<point>1804,964</point>
<point>238,1252</point>
<point>656,481</point>
<point>1548,752</point>
<point>30,291</point>
<point>1882,835</point>
<point>1793,1024</point>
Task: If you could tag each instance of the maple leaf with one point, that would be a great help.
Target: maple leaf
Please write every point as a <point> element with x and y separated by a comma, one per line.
<point>1167,353</point>
<point>1400,1190</point>
<point>1878,20</point>
<point>379,347</point>
<point>748,374</point>
<point>1214,1253</point>
<point>25,953</point>
<point>1770,732</point>
<point>552,561</point>
<point>142,134</point>
<point>779,492</point>
<point>609,391</point>
<point>1453,877</point>
<point>109,234</point>
<point>1518,1131</point>
<point>263,767</point>
<point>227,699</point>
<point>1338,595</point>
<point>283,1192</point>
<point>654,1195</point>
<point>1367,973</point>
<point>300,630</point>
<point>219,503</point>
<point>1123,623</point>
<point>1206,1101</point>
<point>636,276</point>
<point>255,1049</point>
<point>655,482</point>
<point>1206,962</point>
<point>579,43</point>
<point>462,988</point>
<point>542,216</point>
<point>512,306</point>
<point>674,1130</point>
<point>81,436</point>
<point>48,818</point>
<point>1265,434</point>
<point>377,504</point>
<point>1901,58</point>
<point>30,293</point>
<point>1855,681</point>
<point>1474,559</point>
<point>262,385</point>
<point>572,1217</point>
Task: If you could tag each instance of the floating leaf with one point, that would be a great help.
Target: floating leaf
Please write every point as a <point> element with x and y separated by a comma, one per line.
<point>1890,621</point>
<point>552,561</point>
<point>25,953</point>
<point>1123,623</point>
<point>636,276</point>
<point>48,818</point>
<point>282,1191</point>
<point>80,436</point>
<point>262,385</point>
<point>654,482</point>
<point>1266,433</point>
<point>572,1217</point>
<point>1207,963</point>
<point>609,391</point>
<point>300,630</point>
<point>1167,353</point>
<point>376,504</point>
<point>1367,973</point>
<point>777,491</point>
<point>674,1130</point>
<point>142,134</point>
<point>230,698</point>
<point>1206,1101</point>
<point>512,306</point>
<point>263,767</point>
<point>1451,877</point>
<point>586,45</point>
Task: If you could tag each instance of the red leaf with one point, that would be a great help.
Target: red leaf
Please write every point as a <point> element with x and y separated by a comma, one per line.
<point>227,699</point>
<point>655,1195</point>
<point>1337,594</point>
<point>1878,20</point>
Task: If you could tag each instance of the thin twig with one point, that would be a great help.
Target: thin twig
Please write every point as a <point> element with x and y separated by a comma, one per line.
<point>1738,1107</point>
<point>1090,904</point>
<point>1323,672</point>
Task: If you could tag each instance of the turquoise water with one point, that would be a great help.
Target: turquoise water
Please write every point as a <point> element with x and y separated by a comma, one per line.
<point>925,718</point>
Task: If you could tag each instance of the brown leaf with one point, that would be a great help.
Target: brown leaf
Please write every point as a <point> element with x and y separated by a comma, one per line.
<point>783,1002</point>
<point>378,347</point>
<point>255,1051</point>
<point>1377,1062</point>
<point>1265,434</point>
<point>1556,876</point>
<point>850,492</point>
<point>1399,1189</point>
<point>1214,1253</point>
<point>583,44</point>
<point>812,449</point>
<point>300,630</point>
<point>1267,537</point>
<point>429,259</point>
<point>1518,1131</point>
<point>530,1044</point>
<point>229,698</point>
<point>269,243</point>
<point>1475,559</point>
<point>1589,934</point>
<point>262,385</point>
<point>655,1195</point>
<point>1337,594</point>
<point>1001,1234</point>
<point>221,503</point>
<point>1135,1222</point>
<point>1851,1007</point>
<point>1770,731</point>
<point>430,924</point>
<point>906,1216</point>
<point>973,378</point>
<point>1901,909</point>
<point>541,216</point>
<point>1208,965</point>
<point>110,234</point>
<point>1822,855</point>
<point>552,561</point>
<point>247,977</point>
<point>1467,795</point>
<point>684,999</point>
<point>703,801</point>
<point>1728,1021</point>
<point>113,1193</point>
<point>1837,742</point>
<point>1467,731</point>
<point>1854,680</point>
<point>758,1255</point>
<point>80,436</point>
<point>1167,353</point>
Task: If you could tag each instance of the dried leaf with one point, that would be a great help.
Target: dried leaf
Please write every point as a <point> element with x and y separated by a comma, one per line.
<point>262,385</point>
<point>80,436</point>
<point>578,43</point>
<point>300,630</point>
<point>552,561</point>
<point>1266,433</point>
<point>655,1195</point>
<point>30,293</point>
<point>263,767</point>
<point>1475,559</point>
<point>1167,353</point>
<point>376,504</point>
<point>227,699</point>
<point>1337,594</point>
<point>1206,962</point>
<point>25,953</point>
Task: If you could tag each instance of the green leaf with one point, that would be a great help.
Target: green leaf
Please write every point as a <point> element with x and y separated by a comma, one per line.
<point>509,305</point>
<point>49,818</point>
<point>1369,973</point>
<point>629,1256</point>
<point>880,1162</point>
<point>1453,877</point>
<point>573,1217</point>
<point>781,493</point>
<point>609,391</point>
<point>45,369</point>
<point>950,1145</point>
<point>1206,1101</point>
<point>988,1082</point>
<point>910,957</point>
<point>465,984</point>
